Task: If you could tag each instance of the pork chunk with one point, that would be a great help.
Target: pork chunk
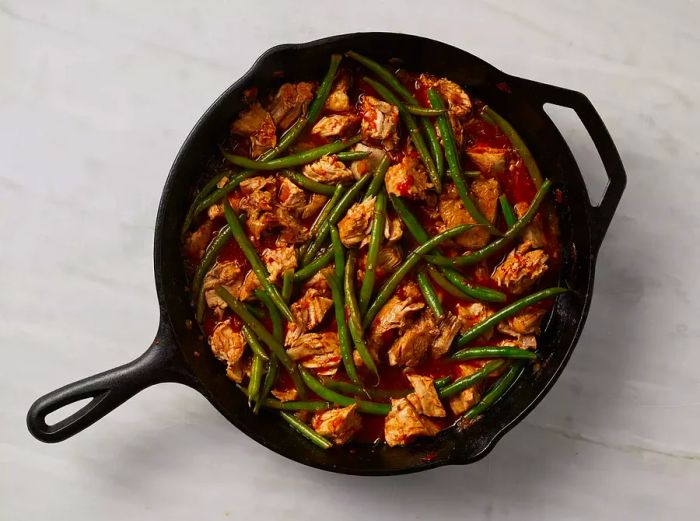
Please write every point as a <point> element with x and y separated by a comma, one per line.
<point>448,328</point>
<point>388,259</point>
<point>285,395</point>
<point>521,342</point>
<point>408,178</point>
<point>485,193</point>
<point>410,348</point>
<point>394,315</point>
<point>257,124</point>
<point>197,241</point>
<point>277,261</point>
<point>355,227</point>
<point>533,232</point>
<point>228,346</point>
<point>488,159</point>
<point>404,423</point>
<point>290,195</point>
<point>470,315</point>
<point>526,322</point>
<point>314,205</point>
<point>424,397</point>
<point>223,274</point>
<point>368,164</point>
<point>338,100</point>
<point>393,229</point>
<point>520,269</point>
<point>319,351</point>
<point>290,102</point>
<point>379,121</point>
<point>338,425</point>
<point>309,311</point>
<point>462,402</point>
<point>335,125</point>
<point>328,170</point>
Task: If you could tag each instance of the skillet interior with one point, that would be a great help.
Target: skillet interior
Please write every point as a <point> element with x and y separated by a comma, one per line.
<point>521,108</point>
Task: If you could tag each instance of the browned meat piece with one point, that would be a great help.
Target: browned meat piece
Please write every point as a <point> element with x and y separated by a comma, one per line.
<point>316,202</point>
<point>448,328</point>
<point>226,274</point>
<point>367,165</point>
<point>318,281</point>
<point>355,227</point>
<point>309,311</point>
<point>215,211</point>
<point>485,193</point>
<point>328,170</point>
<point>338,425</point>
<point>526,322</point>
<point>463,401</point>
<point>472,314</point>
<point>338,100</point>
<point>520,269</point>
<point>410,348</point>
<point>404,423</point>
<point>458,102</point>
<point>379,121</point>
<point>290,195</point>
<point>533,232</point>
<point>424,398</point>
<point>393,229</point>
<point>408,178</point>
<point>292,231</point>
<point>257,124</point>
<point>520,341</point>
<point>319,351</point>
<point>457,130</point>
<point>228,346</point>
<point>250,284</point>
<point>336,125</point>
<point>197,241</point>
<point>259,195</point>
<point>277,261</point>
<point>394,315</point>
<point>290,102</point>
<point>388,259</point>
<point>488,159</point>
<point>285,395</point>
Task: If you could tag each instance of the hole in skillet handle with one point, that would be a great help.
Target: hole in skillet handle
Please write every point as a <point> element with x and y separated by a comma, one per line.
<point>106,391</point>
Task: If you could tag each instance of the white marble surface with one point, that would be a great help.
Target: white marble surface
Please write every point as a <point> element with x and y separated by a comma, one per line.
<point>96,98</point>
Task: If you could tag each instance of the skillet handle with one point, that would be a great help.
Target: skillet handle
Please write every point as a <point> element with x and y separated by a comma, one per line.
<point>602,214</point>
<point>161,362</point>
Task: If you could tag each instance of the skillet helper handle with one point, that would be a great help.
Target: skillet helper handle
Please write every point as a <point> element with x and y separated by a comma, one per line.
<point>107,390</point>
<point>602,214</point>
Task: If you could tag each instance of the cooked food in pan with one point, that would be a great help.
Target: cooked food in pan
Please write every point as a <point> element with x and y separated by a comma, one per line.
<point>373,254</point>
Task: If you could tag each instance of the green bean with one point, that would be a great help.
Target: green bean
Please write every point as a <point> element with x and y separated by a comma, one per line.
<point>385,75</point>
<point>380,409</point>
<point>296,405</point>
<point>222,192</point>
<point>204,192</point>
<point>471,173</point>
<point>506,312</point>
<point>507,210</point>
<point>375,244</point>
<point>287,285</point>
<point>277,332</point>
<point>256,312</point>
<point>429,294</point>
<point>445,284</point>
<point>343,333</point>
<point>313,267</point>
<point>355,318</point>
<point>254,343</point>
<point>302,158</point>
<point>323,214</point>
<point>334,215</point>
<point>352,155</point>
<point>518,143</point>
<point>374,394</point>
<point>413,131</point>
<point>393,281</point>
<point>208,260</point>
<point>439,383</point>
<point>378,177</point>
<point>455,170</point>
<point>264,335</point>
<point>493,352</point>
<point>324,89</point>
<point>306,431</point>
<point>338,252</point>
<point>412,224</point>
<point>307,183</point>
<point>497,391</point>
<point>498,244</point>
<point>460,384</point>
<point>475,292</point>
<point>417,110</point>
<point>257,369</point>
<point>256,264</point>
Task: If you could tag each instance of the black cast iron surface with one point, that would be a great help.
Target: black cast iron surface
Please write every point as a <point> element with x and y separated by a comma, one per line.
<point>171,357</point>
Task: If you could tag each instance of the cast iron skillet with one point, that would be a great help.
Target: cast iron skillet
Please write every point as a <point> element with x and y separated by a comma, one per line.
<point>179,354</point>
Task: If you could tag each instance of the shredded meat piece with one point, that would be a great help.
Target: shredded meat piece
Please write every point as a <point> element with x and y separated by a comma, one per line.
<point>408,178</point>
<point>409,349</point>
<point>485,193</point>
<point>285,395</point>
<point>379,121</point>
<point>226,274</point>
<point>520,269</point>
<point>335,125</point>
<point>368,164</point>
<point>533,232</point>
<point>394,315</point>
<point>388,259</point>
<point>425,398</point>
<point>355,227</point>
<point>318,281</point>
<point>328,170</point>
<point>404,423</point>
<point>290,195</point>
<point>277,261</point>
<point>472,314</point>
<point>488,159</point>
<point>337,424</point>
<point>197,241</point>
<point>316,202</point>
<point>309,311</point>
<point>462,402</point>
<point>257,124</point>
<point>228,346</point>
<point>393,229</point>
<point>457,130</point>
<point>338,100</point>
<point>458,102</point>
<point>526,322</point>
<point>448,328</point>
<point>319,351</point>
<point>290,102</point>
<point>521,342</point>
